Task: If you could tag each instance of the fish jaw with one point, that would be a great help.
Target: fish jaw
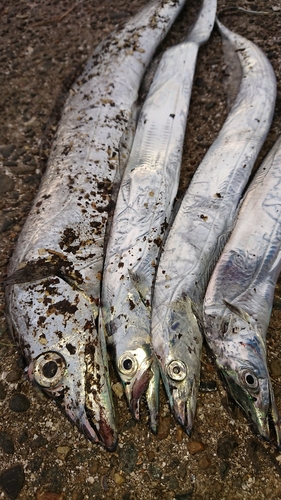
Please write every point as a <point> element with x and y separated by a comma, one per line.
<point>55,327</point>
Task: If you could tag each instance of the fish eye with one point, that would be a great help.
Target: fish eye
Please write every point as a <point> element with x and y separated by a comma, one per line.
<point>127,364</point>
<point>48,369</point>
<point>177,370</point>
<point>250,379</point>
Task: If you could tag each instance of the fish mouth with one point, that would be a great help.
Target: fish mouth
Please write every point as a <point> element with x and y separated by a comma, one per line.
<point>139,373</point>
<point>139,386</point>
<point>262,411</point>
<point>183,400</point>
<point>145,381</point>
<point>101,432</point>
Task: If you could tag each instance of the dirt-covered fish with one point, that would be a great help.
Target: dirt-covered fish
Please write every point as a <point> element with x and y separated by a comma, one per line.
<point>143,207</point>
<point>239,297</point>
<point>201,226</point>
<point>53,289</point>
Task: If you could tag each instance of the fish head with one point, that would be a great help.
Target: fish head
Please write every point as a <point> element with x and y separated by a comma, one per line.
<point>138,372</point>
<point>179,359</point>
<point>241,357</point>
<point>55,326</point>
<point>181,385</point>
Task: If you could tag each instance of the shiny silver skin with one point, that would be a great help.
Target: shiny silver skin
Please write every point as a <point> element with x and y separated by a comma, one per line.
<point>239,297</point>
<point>53,289</point>
<point>201,227</point>
<point>143,207</point>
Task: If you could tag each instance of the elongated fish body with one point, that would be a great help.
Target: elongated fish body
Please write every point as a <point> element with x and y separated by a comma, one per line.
<point>53,290</point>
<point>144,205</point>
<point>239,297</point>
<point>201,227</point>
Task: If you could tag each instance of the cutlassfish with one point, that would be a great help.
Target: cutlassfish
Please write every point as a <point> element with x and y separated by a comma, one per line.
<point>239,297</point>
<point>143,207</point>
<point>53,285</point>
<point>201,227</point>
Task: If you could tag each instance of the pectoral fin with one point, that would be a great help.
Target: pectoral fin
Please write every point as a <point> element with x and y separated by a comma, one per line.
<point>238,311</point>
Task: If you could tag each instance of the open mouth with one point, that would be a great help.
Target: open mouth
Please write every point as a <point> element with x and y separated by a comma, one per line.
<point>100,432</point>
<point>139,387</point>
<point>183,404</point>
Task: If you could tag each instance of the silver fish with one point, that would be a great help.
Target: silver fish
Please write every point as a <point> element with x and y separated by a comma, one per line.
<point>201,227</point>
<point>53,289</point>
<point>143,207</point>
<point>239,297</point>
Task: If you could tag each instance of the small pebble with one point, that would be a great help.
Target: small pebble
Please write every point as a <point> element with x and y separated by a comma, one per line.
<point>14,375</point>
<point>128,456</point>
<point>195,447</point>
<point>204,462</point>
<point>35,464</point>
<point>23,169</point>
<point>224,468</point>
<point>216,487</point>
<point>103,471</point>
<point>12,481</point>
<point>275,367</point>
<point>6,443</point>
<point>210,105</point>
<point>77,496</point>
<point>164,427</point>
<point>200,82</point>
<point>118,479</point>
<point>2,392</point>
<point>176,462</point>
<point>154,471</point>
<point>28,196</point>
<point>6,184</point>
<point>179,434</point>
<point>10,163</point>
<point>38,442</point>
<point>63,451</point>
<point>19,403</point>
<point>118,389</point>
<point>171,482</point>
<point>151,455</point>
<point>6,224</point>
<point>93,468</point>
<point>129,424</point>
<point>5,151</point>
<point>44,495</point>
<point>226,445</point>
<point>184,496</point>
